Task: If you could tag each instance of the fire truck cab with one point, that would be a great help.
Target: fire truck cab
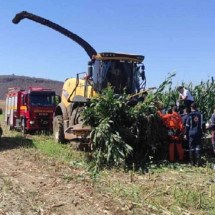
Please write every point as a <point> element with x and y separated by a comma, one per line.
<point>31,109</point>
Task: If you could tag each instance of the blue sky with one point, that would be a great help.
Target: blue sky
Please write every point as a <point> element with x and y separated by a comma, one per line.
<point>173,35</point>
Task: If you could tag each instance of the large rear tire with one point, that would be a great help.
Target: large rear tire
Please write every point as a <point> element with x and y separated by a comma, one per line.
<point>58,130</point>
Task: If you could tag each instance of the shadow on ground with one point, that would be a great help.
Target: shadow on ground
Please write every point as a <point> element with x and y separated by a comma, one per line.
<point>8,143</point>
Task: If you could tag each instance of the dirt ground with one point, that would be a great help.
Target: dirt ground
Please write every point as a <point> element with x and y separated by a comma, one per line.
<point>32,186</point>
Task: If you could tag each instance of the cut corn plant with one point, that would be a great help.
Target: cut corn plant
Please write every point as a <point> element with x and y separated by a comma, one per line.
<point>122,133</point>
<point>109,116</point>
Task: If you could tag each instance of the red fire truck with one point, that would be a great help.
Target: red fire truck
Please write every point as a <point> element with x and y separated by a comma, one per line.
<point>31,109</point>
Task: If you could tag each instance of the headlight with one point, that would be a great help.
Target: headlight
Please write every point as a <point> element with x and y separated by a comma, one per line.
<point>32,122</point>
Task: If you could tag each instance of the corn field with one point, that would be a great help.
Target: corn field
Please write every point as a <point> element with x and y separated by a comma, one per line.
<point>132,135</point>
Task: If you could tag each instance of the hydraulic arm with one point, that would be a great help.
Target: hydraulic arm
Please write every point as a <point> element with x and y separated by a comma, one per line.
<point>85,45</point>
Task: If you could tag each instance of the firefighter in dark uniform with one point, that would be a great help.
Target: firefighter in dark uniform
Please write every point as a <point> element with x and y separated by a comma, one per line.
<point>194,133</point>
<point>213,131</point>
<point>184,117</point>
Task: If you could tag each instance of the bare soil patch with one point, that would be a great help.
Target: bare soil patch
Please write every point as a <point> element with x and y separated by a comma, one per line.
<point>33,184</point>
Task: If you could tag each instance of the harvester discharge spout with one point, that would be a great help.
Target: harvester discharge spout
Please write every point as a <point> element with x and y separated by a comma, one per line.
<point>85,45</point>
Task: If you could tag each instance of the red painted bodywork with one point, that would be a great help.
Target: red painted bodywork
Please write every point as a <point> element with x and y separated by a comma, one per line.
<point>21,111</point>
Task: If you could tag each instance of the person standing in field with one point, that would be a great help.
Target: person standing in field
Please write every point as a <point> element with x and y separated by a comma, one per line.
<point>213,131</point>
<point>194,133</point>
<point>184,117</point>
<point>185,96</point>
<point>173,122</point>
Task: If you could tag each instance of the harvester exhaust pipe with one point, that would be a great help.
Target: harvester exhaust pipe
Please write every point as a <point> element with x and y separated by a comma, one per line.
<point>85,45</point>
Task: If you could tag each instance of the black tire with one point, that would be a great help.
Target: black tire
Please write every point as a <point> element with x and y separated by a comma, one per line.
<point>79,118</point>
<point>76,116</point>
<point>58,130</point>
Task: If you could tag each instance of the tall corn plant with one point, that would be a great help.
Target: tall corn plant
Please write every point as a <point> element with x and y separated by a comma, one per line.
<point>166,93</point>
<point>108,115</point>
<point>152,135</point>
<point>204,95</point>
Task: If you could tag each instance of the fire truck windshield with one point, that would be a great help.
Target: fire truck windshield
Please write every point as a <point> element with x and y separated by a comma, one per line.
<point>42,99</point>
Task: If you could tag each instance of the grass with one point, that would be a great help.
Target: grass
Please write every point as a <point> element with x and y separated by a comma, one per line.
<point>47,146</point>
<point>171,191</point>
<point>7,185</point>
<point>2,104</point>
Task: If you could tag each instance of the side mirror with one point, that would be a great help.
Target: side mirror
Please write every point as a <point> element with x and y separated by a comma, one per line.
<point>57,99</point>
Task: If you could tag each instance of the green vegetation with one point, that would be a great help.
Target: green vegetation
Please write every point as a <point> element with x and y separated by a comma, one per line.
<point>179,190</point>
<point>124,133</point>
<point>131,135</point>
<point>204,94</point>
<point>48,147</point>
<point>109,117</point>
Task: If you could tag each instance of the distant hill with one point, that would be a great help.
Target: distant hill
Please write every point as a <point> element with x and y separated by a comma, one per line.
<point>7,81</point>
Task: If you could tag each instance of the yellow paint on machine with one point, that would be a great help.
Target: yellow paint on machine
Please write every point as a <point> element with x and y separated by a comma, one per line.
<point>69,87</point>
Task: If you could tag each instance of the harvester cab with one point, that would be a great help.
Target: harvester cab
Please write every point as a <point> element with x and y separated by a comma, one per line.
<point>121,71</point>
<point>124,72</point>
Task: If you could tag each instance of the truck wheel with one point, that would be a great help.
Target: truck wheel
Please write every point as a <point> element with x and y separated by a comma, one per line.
<point>76,115</point>
<point>79,118</point>
<point>58,130</point>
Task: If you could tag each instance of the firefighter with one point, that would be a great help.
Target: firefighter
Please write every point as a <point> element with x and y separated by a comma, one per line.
<point>213,131</point>
<point>185,114</point>
<point>184,117</point>
<point>194,133</point>
<point>172,120</point>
